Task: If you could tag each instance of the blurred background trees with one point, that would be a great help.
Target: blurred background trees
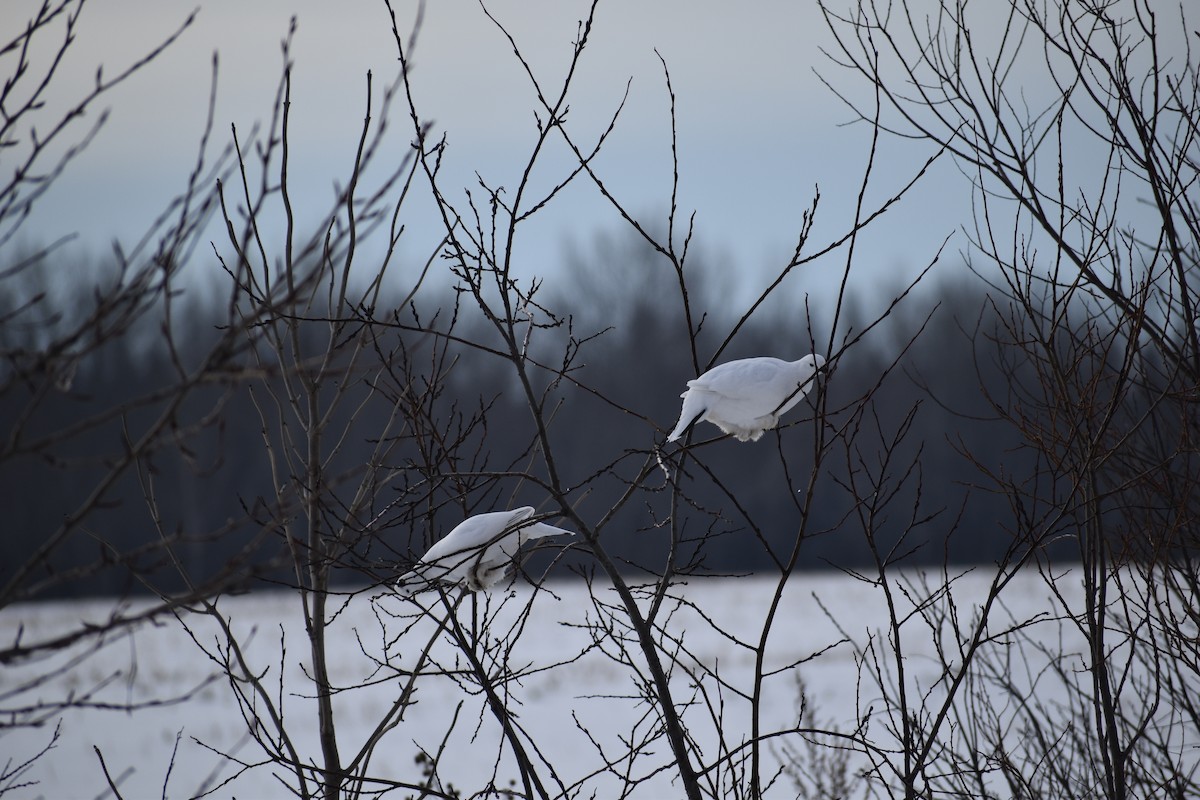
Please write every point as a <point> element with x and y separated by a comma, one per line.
<point>226,470</point>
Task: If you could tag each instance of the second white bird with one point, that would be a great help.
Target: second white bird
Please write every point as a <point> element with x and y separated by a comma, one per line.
<point>478,552</point>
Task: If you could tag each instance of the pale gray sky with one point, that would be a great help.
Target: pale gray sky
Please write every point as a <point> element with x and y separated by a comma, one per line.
<point>757,129</point>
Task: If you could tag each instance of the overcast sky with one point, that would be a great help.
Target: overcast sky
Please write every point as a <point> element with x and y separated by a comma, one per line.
<point>757,128</point>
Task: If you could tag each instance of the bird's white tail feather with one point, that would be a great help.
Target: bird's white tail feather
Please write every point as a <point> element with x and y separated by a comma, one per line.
<point>539,529</point>
<point>693,409</point>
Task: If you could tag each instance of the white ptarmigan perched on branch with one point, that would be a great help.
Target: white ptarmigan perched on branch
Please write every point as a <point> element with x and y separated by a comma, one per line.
<point>748,396</point>
<point>478,552</point>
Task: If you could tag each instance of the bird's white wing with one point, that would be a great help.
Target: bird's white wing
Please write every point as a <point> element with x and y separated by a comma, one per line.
<point>472,544</point>
<point>747,380</point>
<point>733,389</point>
<point>476,533</point>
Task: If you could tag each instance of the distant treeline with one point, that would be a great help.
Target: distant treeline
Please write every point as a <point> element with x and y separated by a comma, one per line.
<point>926,365</point>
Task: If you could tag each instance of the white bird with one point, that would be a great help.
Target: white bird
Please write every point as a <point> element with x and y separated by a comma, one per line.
<point>746,397</point>
<point>478,552</point>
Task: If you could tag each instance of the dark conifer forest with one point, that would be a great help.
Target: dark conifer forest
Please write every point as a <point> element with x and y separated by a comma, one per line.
<point>934,360</point>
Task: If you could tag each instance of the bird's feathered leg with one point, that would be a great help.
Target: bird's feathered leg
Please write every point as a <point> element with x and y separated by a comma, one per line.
<point>484,577</point>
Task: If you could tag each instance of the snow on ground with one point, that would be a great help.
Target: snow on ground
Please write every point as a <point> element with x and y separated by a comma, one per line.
<point>591,691</point>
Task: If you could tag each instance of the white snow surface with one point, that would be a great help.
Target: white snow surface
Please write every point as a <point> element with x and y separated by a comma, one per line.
<point>747,397</point>
<point>585,688</point>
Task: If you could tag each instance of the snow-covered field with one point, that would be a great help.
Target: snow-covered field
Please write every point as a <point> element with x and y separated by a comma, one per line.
<point>592,692</point>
